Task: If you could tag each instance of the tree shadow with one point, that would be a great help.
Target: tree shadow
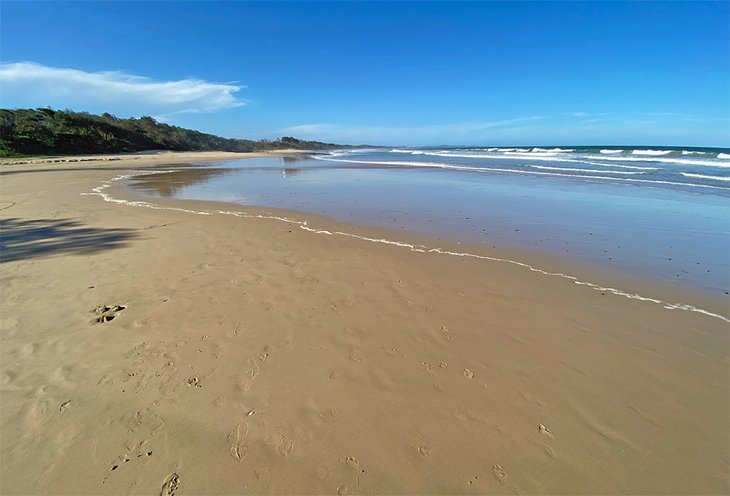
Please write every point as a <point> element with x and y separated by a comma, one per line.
<point>21,239</point>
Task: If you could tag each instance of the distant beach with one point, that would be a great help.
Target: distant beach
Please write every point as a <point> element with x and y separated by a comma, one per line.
<point>181,345</point>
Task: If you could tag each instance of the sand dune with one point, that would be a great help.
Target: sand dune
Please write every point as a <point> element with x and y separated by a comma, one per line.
<point>154,351</point>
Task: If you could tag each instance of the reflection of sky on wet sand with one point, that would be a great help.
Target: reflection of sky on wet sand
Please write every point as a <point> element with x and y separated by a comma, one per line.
<point>169,184</point>
<point>293,159</point>
<point>666,235</point>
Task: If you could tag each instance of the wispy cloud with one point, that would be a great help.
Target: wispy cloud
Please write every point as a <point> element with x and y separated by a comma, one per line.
<point>426,134</point>
<point>28,84</point>
<point>564,128</point>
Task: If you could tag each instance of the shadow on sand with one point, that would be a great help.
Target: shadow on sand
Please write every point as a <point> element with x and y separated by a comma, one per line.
<point>21,239</point>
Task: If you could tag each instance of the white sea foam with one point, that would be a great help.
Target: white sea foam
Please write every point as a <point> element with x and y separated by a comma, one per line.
<point>530,154</point>
<point>366,150</point>
<point>527,156</point>
<point>341,153</point>
<point>551,150</point>
<point>612,151</point>
<point>503,156</point>
<point>675,161</point>
<point>516,171</point>
<point>100,191</point>
<point>568,169</point>
<point>620,166</point>
<point>375,162</point>
<point>358,151</point>
<point>544,157</point>
<point>723,156</point>
<point>702,176</point>
<point>689,152</point>
<point>500,155</point>
<point>477,155</point>
<point>651,152</point>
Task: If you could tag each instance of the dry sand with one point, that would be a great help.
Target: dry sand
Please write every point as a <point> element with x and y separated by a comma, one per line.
<point>256,357</point>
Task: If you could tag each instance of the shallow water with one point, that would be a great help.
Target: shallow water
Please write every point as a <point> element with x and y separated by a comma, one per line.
<point>676,233</point>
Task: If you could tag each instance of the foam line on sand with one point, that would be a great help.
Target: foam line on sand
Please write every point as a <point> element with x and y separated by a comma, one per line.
<point>101,191</point>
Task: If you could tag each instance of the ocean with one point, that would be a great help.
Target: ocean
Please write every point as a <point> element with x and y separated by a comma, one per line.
<point>661,213</point>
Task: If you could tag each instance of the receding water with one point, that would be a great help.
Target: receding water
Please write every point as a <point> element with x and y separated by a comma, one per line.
<point>675,232</point>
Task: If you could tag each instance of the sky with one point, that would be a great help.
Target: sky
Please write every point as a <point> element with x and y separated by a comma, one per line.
<point>409,73</point>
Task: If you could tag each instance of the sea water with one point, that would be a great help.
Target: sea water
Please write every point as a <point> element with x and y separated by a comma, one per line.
<point>660,213</point>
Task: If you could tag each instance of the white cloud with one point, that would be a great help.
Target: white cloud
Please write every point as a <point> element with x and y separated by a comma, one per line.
<point>27,84</point>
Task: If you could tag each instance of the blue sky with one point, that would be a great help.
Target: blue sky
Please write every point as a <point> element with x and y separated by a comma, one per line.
<point>410,73</point>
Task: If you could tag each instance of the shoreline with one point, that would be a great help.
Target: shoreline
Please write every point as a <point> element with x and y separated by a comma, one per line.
<point>254,357</point>
<point>684,248</point>
<point>539,262</point>
<point>147,158</point>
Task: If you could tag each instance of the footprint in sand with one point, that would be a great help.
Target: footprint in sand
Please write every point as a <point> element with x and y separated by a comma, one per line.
<point>499,473</point>
<point>424,447</point>
<point>393,352</point>
<point>170,485</point>
<point>327,416</point>
<point>115,466</point>
<point>266,352</point>
<point>468,374</point>
<point>286,447</point>
<point>545,430</point>
<point>236,441</point>
<point>250,371</point>
<point>355,355</point>
<point>64,405</point>
<point>240,327</point>
<point>351,462</point>
<point>107,313</point>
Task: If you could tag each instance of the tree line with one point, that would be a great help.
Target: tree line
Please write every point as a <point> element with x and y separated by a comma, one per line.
<point>44,131</point>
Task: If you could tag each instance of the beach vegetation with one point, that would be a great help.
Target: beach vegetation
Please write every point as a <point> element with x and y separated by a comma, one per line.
<point>44,131</point>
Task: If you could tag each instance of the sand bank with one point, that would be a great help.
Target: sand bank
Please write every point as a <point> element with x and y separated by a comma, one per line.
<point>253,356</point>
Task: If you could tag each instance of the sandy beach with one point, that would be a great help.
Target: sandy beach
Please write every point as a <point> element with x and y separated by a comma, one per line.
<point>184,350</point>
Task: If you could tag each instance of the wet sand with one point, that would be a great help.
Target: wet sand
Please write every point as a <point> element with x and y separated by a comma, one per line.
<point>253,356</point>
<point>679,237</point>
